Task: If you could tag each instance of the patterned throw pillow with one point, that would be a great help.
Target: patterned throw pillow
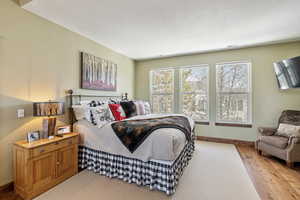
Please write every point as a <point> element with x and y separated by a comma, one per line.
<point>143,107</point>
<point>129,108</point>
<point>100,115</point>
<point>117,111</point>
<point>288,130</point>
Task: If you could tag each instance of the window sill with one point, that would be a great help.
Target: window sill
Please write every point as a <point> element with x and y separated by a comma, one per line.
<point>202,123</point>
<point>234,125</point>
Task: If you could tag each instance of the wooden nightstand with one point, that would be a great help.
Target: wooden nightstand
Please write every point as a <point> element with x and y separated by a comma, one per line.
<point>40,165</point>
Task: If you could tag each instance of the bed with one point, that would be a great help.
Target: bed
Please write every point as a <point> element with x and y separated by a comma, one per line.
<point>158,162</point>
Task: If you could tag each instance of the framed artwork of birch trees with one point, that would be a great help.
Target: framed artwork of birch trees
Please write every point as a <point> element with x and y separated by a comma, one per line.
<point>98,73</point>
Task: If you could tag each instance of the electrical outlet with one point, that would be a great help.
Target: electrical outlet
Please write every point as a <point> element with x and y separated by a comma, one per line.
<point>20,113</point>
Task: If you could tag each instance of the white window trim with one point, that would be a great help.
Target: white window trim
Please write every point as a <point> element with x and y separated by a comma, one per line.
<point>150,86</point>
<point>177,69</point>
<point>250,121</point>
<point>207,90</point>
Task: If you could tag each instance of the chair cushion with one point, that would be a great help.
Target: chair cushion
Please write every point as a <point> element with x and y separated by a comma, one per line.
<point>288,130</point>
<point>277,141</point>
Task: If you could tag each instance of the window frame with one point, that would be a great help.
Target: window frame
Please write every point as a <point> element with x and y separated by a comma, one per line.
<point>181,90</point>
<point>151,89</point>
<point>247,124</point>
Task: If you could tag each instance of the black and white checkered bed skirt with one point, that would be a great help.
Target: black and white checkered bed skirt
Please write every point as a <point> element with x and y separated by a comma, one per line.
<point>153,174</point>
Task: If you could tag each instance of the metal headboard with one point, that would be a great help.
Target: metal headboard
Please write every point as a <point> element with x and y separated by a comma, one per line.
<point>71,99</point>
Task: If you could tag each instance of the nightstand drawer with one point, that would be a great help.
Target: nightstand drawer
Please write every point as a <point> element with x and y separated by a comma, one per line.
<point>54,146</point>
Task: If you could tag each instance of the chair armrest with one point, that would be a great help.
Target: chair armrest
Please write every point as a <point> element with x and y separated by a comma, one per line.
<point>296,140</point>
<point>267,131</point>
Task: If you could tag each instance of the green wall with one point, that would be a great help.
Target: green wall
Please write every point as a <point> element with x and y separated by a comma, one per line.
<point>267,102</point>
<point>39,60</point>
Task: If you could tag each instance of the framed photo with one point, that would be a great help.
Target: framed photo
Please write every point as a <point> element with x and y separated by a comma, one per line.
<point>33,136</point>
<point>60,130</point>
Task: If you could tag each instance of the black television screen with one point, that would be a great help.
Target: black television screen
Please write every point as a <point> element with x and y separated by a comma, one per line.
<point>288,73</point>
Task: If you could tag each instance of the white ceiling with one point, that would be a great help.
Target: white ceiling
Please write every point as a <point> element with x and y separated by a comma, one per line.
<point>152,28</point>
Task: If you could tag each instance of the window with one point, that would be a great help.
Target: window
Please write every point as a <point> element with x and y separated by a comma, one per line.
<point>233,92</point>
<point>181,90</point>
<point>162,90</point>
<point>194,92</point>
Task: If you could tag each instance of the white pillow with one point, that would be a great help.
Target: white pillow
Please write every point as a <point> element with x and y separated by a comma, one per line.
<point>82,112</point>
<point>288,130</point>
<point>142,107</point>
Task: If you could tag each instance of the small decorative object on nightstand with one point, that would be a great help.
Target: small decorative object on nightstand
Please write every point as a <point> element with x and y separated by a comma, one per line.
<point>49,109</point>
<point>42,164</point>
<point>61,130</point>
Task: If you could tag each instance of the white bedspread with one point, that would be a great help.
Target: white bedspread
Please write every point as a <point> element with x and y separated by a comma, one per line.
<point>163,144</point>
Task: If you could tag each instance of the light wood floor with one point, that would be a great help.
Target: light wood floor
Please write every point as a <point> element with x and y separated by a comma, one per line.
<point>272,179</point>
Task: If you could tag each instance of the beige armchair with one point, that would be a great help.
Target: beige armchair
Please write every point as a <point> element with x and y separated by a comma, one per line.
<point>282,147</point>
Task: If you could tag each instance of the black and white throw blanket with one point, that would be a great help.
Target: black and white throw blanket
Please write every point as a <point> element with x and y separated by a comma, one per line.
<point>133,133</point>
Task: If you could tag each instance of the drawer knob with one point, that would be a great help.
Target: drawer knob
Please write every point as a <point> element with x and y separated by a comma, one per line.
<point>42,150</point>
<point>57,163</point>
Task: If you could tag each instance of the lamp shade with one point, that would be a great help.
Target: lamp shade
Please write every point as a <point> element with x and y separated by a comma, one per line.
<point>48,109</point>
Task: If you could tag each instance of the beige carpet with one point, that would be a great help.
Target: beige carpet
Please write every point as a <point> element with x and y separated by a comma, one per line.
<point>216,172</point>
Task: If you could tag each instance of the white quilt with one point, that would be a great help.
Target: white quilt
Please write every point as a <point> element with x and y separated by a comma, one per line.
<point>163,144</point>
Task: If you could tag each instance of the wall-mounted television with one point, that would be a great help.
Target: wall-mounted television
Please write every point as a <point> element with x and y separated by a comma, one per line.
<point>288,73</point>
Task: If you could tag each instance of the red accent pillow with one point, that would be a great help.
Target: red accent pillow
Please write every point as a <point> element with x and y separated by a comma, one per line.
<point>115,109</point>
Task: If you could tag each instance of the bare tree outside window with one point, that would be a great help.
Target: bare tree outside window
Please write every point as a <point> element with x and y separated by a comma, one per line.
<point>192,96</point>
<point>162,90</point>
<point>194,92</point>
<point>233,92</point>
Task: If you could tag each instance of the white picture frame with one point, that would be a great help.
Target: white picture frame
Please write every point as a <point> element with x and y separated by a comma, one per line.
<point>33,136</point>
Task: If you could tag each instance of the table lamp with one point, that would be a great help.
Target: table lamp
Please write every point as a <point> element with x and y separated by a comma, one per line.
<point>49,109</point>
